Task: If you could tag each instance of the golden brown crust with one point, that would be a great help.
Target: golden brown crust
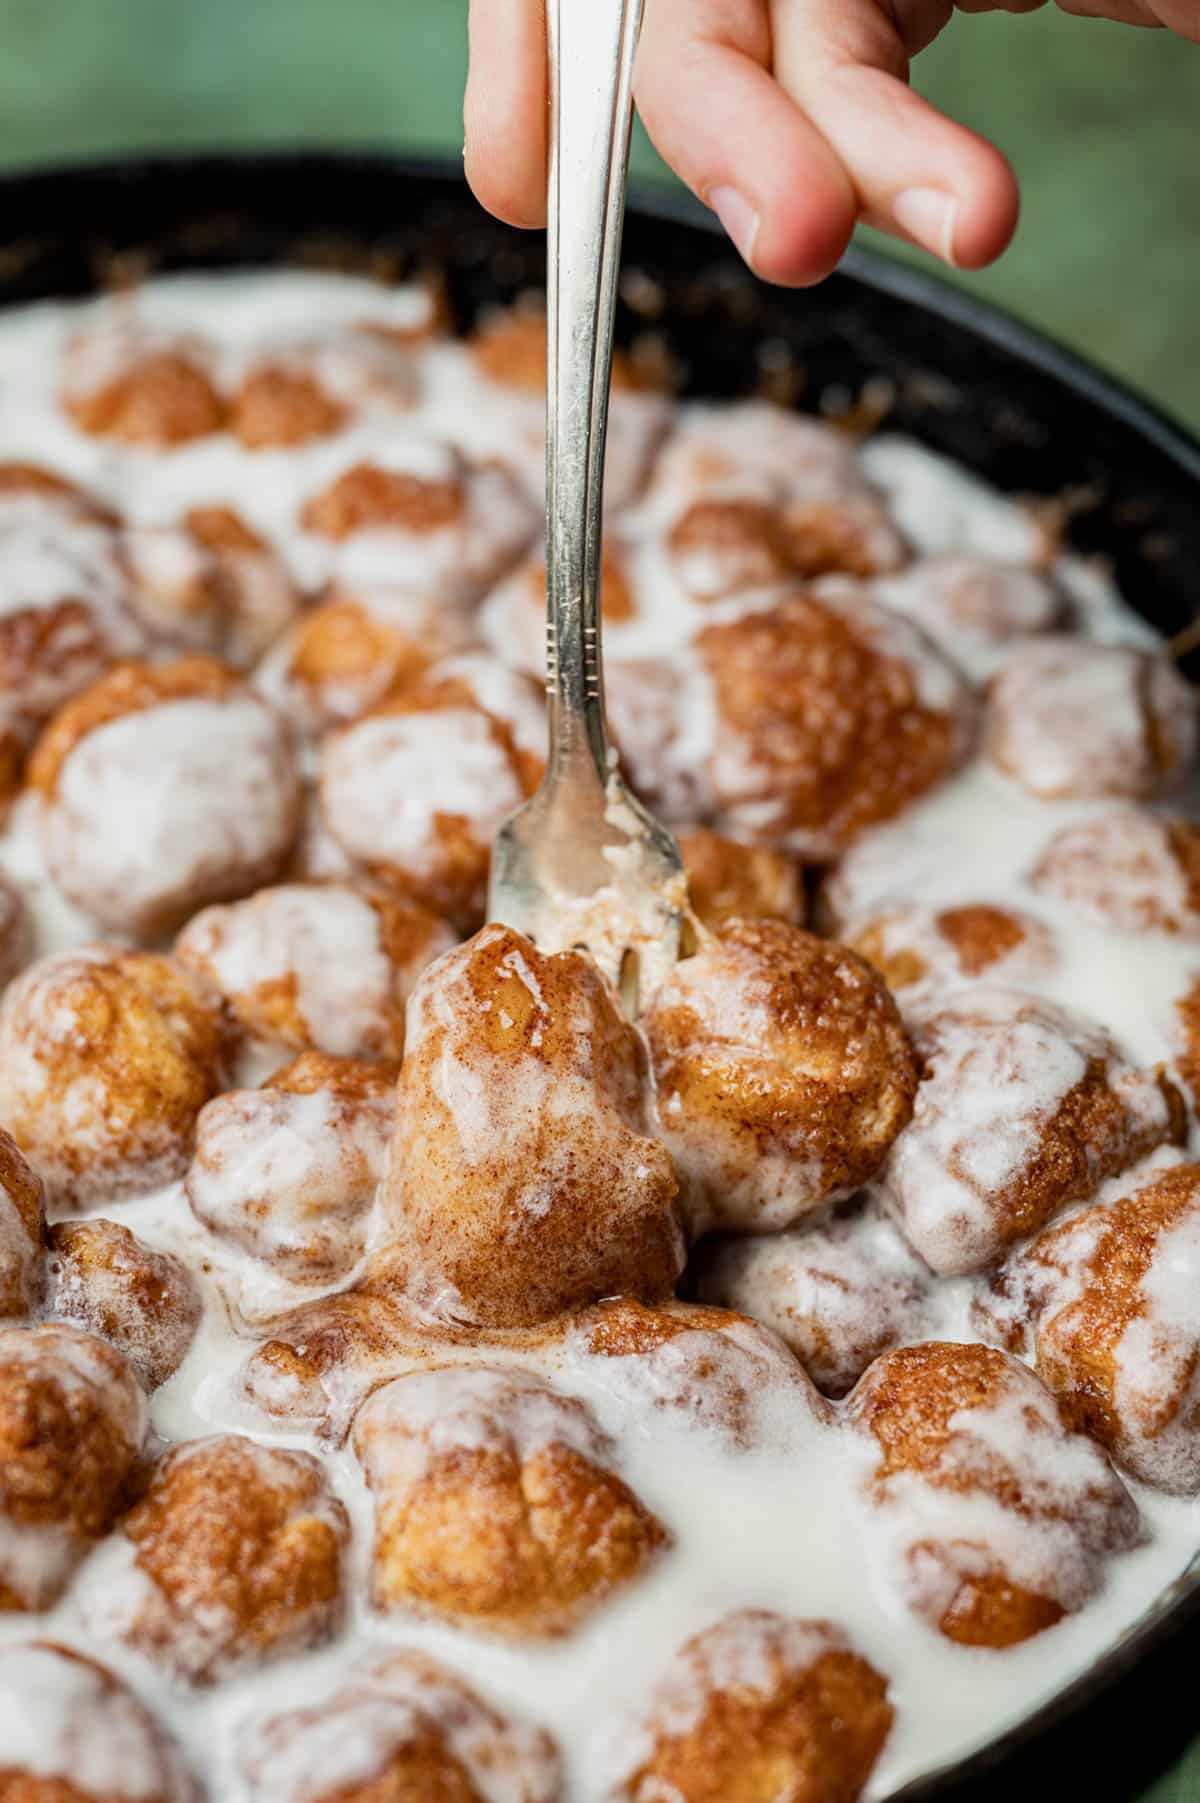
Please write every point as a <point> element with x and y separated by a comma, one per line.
<point>143,1302</point>
<point>165,399</point>
<point>742,544</point>
<point>728,880</point>
<point>829,730</point>
<point>241,1546</point>
<point>129,688</point>
<point>350,1079</point>
<point>342,644</point>
<point>808,1729</point>
<point>279,408</point>
<point>367,497</point>
<point>782,1070</point>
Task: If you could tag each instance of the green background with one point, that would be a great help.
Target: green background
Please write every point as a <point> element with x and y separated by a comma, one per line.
<point>1102,123</point>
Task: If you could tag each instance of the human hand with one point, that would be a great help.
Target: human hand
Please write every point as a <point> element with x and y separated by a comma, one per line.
<point>792,119</point>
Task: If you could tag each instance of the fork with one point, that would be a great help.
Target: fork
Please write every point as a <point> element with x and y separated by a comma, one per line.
<point>583,864</point>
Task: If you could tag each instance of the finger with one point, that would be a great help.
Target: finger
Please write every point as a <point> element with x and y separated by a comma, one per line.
<point>505,109</point>
<point>720,120</point>
<point>917,174</point>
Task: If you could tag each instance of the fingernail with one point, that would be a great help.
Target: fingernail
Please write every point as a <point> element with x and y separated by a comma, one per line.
<point>738,217</point>
<point>928,216</point>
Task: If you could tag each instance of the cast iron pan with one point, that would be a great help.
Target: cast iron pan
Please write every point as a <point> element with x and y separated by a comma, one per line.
<point>877,339</point>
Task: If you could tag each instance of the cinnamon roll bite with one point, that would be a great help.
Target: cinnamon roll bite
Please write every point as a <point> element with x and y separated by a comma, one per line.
<point>404,1726</point>
<point>759,1707</point>
<point>209,583</point>
<point>991,1518</point>
<point>1069,718</point>
<point>497,1504</point>
<point>72,1422</point>
<point>234,1558</point>
<point>312,387</point>
<point>522,1179</point>
<point>106,1059</point>
<point>1126,868</point>
<point>146,1303</point>
<point>316,967</point>
<point>126,380</point>
<point>22,1231</point>
<point>72,1732</point>
<point>917,947</point>
<point>1022,1108</point>
<point>162,788</point>
<point>728,880</point>
<point>1104,1304</point>
<point>782,1074</point>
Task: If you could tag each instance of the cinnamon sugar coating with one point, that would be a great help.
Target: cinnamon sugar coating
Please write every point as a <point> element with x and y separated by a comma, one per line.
<point>22,1231</point>
<point>143,1302</point>
<point>1022,1108</point>
<point>999,1519</point>
<point>1104,1304</point>
<point>522,1180</point>
<point>756,1708</point>
<point>106,1059</point>
<point>72,1420</point>
<point>236,1559</point>
<point>911,945</point>
<point>1126,868</point>
<point>782,1074</point>
<point>728,880</point>
<point>496,1504</point>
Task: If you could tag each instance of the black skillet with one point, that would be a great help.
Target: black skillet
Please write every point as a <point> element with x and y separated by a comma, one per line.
<point>877,339</point>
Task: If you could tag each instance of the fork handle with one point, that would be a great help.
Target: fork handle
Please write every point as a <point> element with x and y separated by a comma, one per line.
<point>591,48</point>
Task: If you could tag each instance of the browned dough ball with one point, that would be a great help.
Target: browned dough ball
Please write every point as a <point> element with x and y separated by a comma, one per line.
<point>125,381</point>
<point>1069,718</point>
<point>210,583</point>
<point>997,1520</point>
<point>757,1708</point>
<point>236,1558</point>
<point>165,787</point>
<point>313,387</point>
<point>22,1231</point>
<point>829,717</point>
<point>1022,1108</point>
<point>106,1059</point>
<point>1126,868</point>
<point>143,1302</point>
<point>728,880</point>
<point>496,1504</point>
<point>71,1732</point>
<point>912,945</point>
<point>72,1421</point>
<point>521,1179</point>
<point>782,1071</point>
<point>400,1729</point>
<point>721,547</point>
<point>1105,1304</point>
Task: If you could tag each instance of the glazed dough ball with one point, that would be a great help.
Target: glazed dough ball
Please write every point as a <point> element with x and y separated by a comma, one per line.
<point>403,1726</point>
<point>72,1421</point>
<point>288,1173</point>
<point>164,788</point>
<point>782,1074</point>
<point>106,1059</point>
<point>973,607</point>
<point>312,388</point>
<point>416,791</point>
<point>1126,868</point>
<point>508,406</point>
<point>124,380</point>
<point>235,1559</point>
<point>728,880</point>
<point>496,1505</point>
<point>322,967</point>
<point>64,590</point>
<point>838,1293</point>
<point>915,947</point>
<point>16,933</point>
<point>70,1732</point>
<point>1022,1108</point>
<point>211,583</point>
<point>22,1231</point>
<point>994,1519</point>
<point>724,546</point>
<point>716,1371</point>
<point>758,1707</point>
<point>829,717</point>
<point>355,649</point>
<point>1106,1304</point>
<point>521,1179</point>
<point>424,518</point>
<point>1070,718</point>
<point>143,1302</point>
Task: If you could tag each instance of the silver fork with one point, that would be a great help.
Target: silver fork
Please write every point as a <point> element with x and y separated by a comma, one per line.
<point>583,863</point>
